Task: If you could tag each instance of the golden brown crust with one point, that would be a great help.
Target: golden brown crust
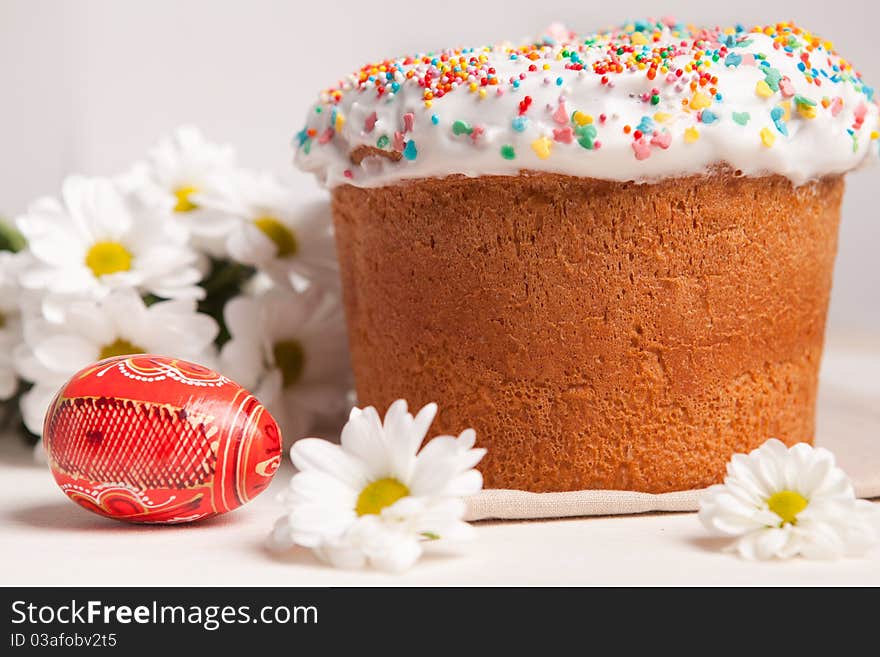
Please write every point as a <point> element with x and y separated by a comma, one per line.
<point>362,152</point>
<point>596,334</point>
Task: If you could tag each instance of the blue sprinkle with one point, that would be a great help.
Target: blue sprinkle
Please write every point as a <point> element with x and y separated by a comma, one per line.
<point>516,84</point>
<point>519,123</point>
<point>802,67</point>
<point>776,115</point>
<point>410,152</point>
<point>558,82</point>
<point>646,125</point>
<point>708,116</point>
<point>435,119</point>
<point>733,59</point>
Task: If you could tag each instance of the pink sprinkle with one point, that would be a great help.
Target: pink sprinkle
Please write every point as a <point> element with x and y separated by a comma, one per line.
<point>347,173</point>
<point>563,135</point>
<point>860,111</point>
<point>786,87</point>
<point>597,145</point>
<point>370,122</point>
<point>602,118</point>
<point>560,115</point>
<point>408,119</point>
<point>748,60</point>
<point>671,78</point>
<point>326,136</point>
<point>836,106</point>
<point>398,141</point>
<point>476,132</point>
<point>641,148</point>
<point>661,139</point>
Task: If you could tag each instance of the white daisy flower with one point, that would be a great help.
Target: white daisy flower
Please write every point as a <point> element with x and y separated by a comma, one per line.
<point>289,348</point>
<point>118,324</point>
<point>178,170</point>
<point>274,231</point>
<point>377,497</point>
<point>10,320</point>
<point>97,240</point>
<point>781,502</point>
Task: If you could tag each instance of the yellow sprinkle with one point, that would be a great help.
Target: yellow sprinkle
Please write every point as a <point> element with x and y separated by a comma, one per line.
<point>806,111</point>
<point>472,86</point>
<point>582,119</point>
<point>546,67</point>
<point>639,39</point>
<point>786,108</point>
<point>691,135</point>
<point>828,45</point>
<point>767,137</point>
<point>763,89</point>
<point>542,147</point>
<point>662,117</point>
<point>429,103</point>
<point>700,101</point>
<point>482,93</point>
<point>340,121</point>
<point>875,135</point>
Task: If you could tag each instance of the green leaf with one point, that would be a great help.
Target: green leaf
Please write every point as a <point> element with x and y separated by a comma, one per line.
<point>10,238</point>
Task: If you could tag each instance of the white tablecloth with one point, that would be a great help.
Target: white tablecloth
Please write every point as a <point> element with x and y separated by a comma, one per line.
<point>47,540</point>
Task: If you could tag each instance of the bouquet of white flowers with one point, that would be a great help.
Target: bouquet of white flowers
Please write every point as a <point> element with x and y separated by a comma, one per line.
<point>186,255</point>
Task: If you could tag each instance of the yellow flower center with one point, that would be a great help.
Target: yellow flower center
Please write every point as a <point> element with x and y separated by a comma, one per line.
<point>787,504</point>
<point>184,204</point>
<point>380,494</point>
<point>290,359</point>
<point>283,238</point>
<point>108,258</point>
<point>119,347</point>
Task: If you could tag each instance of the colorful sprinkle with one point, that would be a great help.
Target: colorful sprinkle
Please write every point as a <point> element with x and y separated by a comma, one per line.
<point>507,152</point>
<point>740,118</point>
<point>767,137</point>
<point>708,117</point>
<point>691,135</point>
<point>542,147</point>
<point>805,107</point>
<point>587,137</point>
<point>777,115</point>
<point>700,101</point>
<point>733,60</point>
<point>763,89</point>
<point>519,123</point>
<point>581,119</point>
<point>410,152</point>
<point>461,128</point>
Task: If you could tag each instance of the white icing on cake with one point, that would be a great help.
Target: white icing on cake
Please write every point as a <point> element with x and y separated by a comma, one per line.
<point>771,100</point>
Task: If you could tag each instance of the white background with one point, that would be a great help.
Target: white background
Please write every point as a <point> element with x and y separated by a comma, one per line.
<point>88,85</point>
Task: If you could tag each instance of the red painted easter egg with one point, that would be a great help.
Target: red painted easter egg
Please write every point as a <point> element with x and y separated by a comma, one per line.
<point>159,440</point>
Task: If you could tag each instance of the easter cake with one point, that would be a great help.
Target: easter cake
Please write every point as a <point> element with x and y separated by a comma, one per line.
<point>611,254</point>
